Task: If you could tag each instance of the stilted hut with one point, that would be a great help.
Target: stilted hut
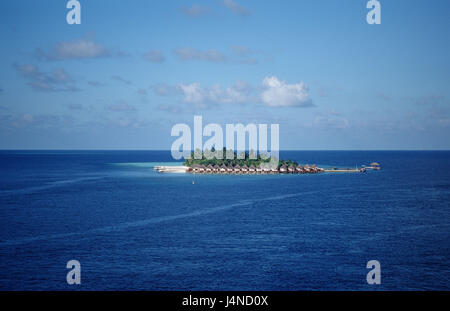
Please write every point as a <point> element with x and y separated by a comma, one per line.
<point>196,168</point>
<point>209,169</point>
<point>223,169</point>
<point>230,169</point>
<point>259,169</point>
<point>291,169</point>
<point>299,169</point>
<point>283,169</point>
<point>237,169</point>
<point>244,169</point>
<point>252,169</point>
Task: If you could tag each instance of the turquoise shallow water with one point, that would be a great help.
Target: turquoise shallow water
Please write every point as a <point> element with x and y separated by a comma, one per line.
<point>132,228</point>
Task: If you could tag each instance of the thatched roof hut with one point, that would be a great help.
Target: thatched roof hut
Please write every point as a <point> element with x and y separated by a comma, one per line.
<point>252,169</point>
<point>196,168</point>
<point>291,169</point>
<point>266,168</point>
<point>283,169</point>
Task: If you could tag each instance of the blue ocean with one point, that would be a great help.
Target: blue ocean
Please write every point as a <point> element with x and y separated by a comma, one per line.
<point>132,228</point>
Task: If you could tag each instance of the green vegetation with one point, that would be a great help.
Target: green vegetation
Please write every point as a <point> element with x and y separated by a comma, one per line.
<point>213,157</point>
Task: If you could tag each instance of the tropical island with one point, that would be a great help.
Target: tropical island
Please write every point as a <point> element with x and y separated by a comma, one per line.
<point>229,162</point>
<point>251,162</point>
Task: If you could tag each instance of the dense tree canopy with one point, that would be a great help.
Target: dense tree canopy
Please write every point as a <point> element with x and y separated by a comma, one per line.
<point>217,157</point>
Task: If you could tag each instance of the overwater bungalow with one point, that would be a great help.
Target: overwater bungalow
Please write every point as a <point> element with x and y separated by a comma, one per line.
<point>262,168</point>
<point>258,166</point>
<point>196,168</point>
<point>259,169</point>
<point>266,169</point>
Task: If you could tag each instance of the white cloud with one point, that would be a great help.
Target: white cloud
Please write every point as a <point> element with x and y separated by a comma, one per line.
<point>36,122</point>
<point>195,94</point>
<point>162,89</point>
<point>188,53</point>
<point>78,49</point>
<point>244,54</point>
<point>142,92</point>
<point>280,94</point>
<point>236,8</point>
<point>274,93</point>
<point>96,83</point>
<point>154,56</point>
<point>76,106</point>
<point>241,50</point>
<point>54,81</point>
<point>240,54</point>
<point>121,79</point>
<point>195,10</point>
<point>121,106</point>
<point>330,122</point>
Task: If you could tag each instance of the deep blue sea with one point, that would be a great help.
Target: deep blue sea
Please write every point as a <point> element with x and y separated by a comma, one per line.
<point>133,228</point>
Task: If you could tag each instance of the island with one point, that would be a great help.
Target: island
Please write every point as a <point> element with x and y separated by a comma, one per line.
<point>250,163</point>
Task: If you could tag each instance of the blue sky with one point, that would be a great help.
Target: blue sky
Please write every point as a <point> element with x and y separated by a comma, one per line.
<point>133,69</point>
